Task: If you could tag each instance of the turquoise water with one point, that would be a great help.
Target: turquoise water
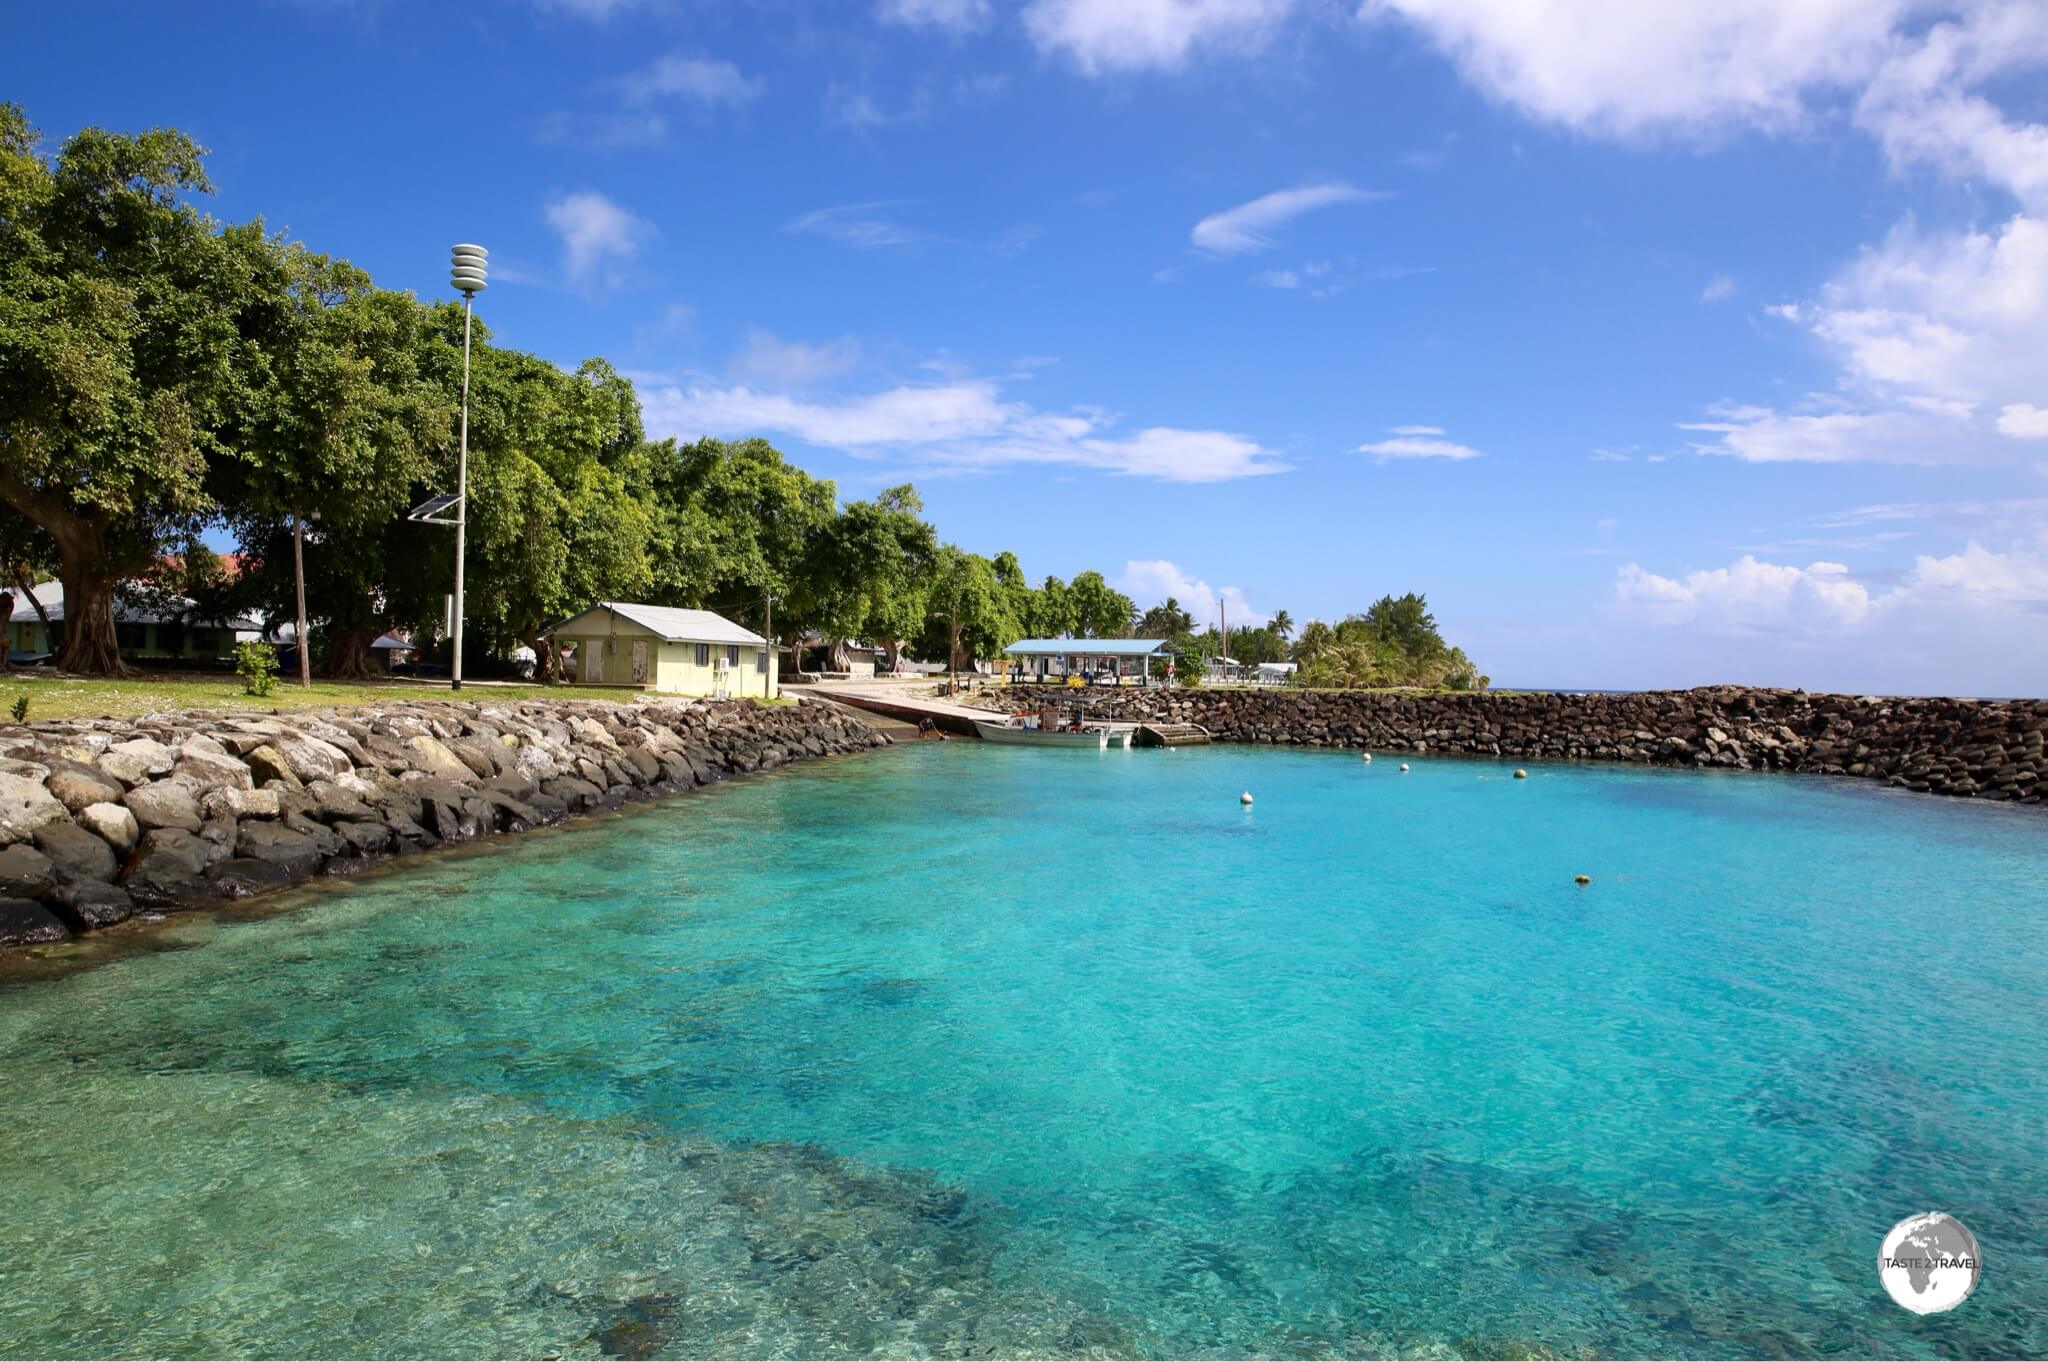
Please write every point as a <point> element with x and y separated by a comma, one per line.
<point>959,1050</point>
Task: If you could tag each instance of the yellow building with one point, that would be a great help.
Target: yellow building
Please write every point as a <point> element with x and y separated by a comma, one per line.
<point>657,647</point>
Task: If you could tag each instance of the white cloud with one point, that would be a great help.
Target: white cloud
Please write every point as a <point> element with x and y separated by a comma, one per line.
<point>1718,289</point>
<point>597,235</point>
<point>1149,581</point>
<point>865,226</point>
<point>1278,279</point>
<point>2023,421</point>
<point>961,425</point>
<point>1627,69</point>
<point>853,107</point>
<point>1417,442</point>
<point>1247,226</point>
<point>1974,621</point>
<point>1822,431</point>
<point>1132,35</point>
<point>794,364</point>
<point>1932,327</point>
<point>952,16</point>
<point>705,80</point>
<point>1748,596</point>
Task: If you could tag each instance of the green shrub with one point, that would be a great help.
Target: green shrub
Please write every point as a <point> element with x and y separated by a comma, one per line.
<point>256,664</point>
<point>19,709</point>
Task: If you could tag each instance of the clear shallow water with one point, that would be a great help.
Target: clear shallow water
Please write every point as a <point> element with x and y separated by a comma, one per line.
<point>958,1050</point>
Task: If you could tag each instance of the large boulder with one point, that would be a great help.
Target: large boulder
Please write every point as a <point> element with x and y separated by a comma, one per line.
<point>114,823</point>
<point>88,905</point>
<point>167,869</point>
<point>169,803</point>
<point>137,760</point>
<point>23,923</point>
<point>77,786</point>
<point>25,873</point>
<point>332,800</point>
<point>247,875</point>
<point>435,759</point>
<point>233,802</point>
<point>297,853</point>
<point>25,806</point>
<point>76,853</point>
<point>212,767</point>
<point>268,766</point>
<point>310,758</point>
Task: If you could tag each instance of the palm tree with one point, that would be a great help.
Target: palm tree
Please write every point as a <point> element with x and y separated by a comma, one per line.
<point>1283,624</point>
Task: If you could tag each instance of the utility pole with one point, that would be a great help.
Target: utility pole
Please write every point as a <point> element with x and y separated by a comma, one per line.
<point>1223,620</point>
<point>299,572</point>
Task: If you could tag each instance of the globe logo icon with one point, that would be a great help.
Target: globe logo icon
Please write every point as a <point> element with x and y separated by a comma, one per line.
<point>1929,1263</point>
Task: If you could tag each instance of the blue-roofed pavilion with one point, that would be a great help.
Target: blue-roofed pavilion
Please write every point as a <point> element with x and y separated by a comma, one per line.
<point>1105,661</point>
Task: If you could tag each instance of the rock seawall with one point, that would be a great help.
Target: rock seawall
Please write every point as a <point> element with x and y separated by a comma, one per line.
<point>1989,749</point>
<point>102,819</point>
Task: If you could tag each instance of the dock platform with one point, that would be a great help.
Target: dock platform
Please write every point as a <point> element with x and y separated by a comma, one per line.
<point>1171,735</point>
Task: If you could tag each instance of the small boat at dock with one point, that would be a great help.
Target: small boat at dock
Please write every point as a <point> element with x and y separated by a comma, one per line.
<point>1048,728</point>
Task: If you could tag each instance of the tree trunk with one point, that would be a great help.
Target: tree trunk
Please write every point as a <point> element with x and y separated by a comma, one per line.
<point>547,659</point>
<point>6,628</point>
<point>90,646</point>
<point>892,654</point>
<point>349,655</point>
<point>837,658</point>
<point>49,631</point>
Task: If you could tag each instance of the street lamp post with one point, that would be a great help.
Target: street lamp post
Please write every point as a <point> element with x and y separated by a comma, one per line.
<point>468,275</point>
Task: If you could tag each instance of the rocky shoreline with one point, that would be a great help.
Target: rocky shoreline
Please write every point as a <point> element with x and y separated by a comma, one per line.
<point>105,819</point>
<point>1986,749</point>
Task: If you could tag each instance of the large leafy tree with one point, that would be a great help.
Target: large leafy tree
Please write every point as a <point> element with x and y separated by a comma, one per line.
<point>124,356</point>
<point>358,425</point>
<point>733,525</point>
<point>1099,610</point>
<point>969,613</point>
<point>554,521</point>
<point>1054,613</point>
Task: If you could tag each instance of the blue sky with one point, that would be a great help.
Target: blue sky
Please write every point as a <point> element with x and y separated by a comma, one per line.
<point>1656,344</point>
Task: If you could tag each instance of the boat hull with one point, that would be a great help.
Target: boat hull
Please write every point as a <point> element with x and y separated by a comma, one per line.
<point>1038,737</point>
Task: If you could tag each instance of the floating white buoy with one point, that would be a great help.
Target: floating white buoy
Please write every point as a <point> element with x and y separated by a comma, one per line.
<point>1367,758</point>
<point>1520,774</point>
<point>1245,798</point>
<point>1404,765</point>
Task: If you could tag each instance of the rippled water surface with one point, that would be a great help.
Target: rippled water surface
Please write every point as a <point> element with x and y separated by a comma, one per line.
<point>957,1050</point>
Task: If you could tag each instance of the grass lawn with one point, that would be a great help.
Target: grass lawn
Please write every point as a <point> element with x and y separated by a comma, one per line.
<point>61,697</point>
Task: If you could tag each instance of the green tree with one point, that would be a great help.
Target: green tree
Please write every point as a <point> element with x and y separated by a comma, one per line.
<point>1283,624</point>
<point>1099,610</point>
<point>866,574</point>
<point>123,356</point>
<point>1053,613</point>
<point>1167,620</point>
<point>969,613</point>
<point>554,524</point>
<point>734,524</point>
<point>357,425</point>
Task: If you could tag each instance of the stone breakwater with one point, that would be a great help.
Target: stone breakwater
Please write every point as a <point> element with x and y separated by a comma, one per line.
<point>103,819</point>
<point>1989,749</point>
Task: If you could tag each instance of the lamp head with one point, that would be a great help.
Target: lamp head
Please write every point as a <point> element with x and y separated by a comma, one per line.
<point>467,269</point>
